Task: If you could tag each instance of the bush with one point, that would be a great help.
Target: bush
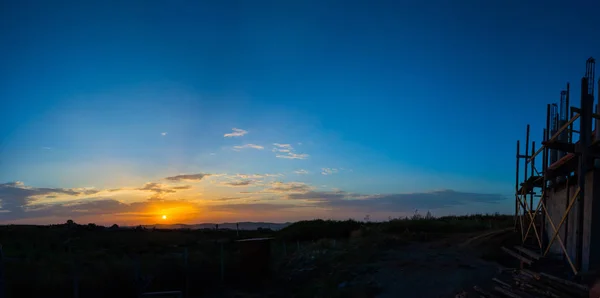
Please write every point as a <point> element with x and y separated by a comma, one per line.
<point>317,229</point>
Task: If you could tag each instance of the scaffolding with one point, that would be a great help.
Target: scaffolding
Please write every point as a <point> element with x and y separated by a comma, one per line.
<point>563,162</point>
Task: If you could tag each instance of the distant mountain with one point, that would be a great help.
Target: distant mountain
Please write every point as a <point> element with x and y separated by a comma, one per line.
<point>227,225</point>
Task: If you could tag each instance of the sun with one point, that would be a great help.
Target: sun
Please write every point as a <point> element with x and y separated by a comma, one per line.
<point>164,217</point>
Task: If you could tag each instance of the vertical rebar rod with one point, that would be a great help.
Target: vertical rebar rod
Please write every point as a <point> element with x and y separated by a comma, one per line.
<point>570,130</point>
<point>584,141</point>
<point>598,112</point>
<point>517,185</point>
<point>525,169</point>
<point>547,133</point>
<point>543,198</point>
<point>566,224</point>
<point>532,169</point>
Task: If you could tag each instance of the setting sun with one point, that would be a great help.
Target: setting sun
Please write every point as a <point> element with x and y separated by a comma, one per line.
<point>164,217</point>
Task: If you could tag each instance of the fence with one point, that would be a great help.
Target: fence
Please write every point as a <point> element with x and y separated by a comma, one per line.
<point>199,270</point>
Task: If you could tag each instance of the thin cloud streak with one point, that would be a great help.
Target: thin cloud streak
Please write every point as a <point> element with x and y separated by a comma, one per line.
<point>187,177</point>
<point>287,151</point>
<point>236,132</point>
<point>251,146</point>
<point>329,171</point>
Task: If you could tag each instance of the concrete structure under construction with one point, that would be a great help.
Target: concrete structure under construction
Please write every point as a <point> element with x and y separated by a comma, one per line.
<point>557,212</point>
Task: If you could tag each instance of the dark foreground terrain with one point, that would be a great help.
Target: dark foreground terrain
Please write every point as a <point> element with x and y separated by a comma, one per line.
<point>416,257</point>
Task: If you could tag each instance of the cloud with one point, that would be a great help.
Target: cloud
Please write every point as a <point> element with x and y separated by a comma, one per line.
<point>288,187</point>
<point>239,183</point>
<point>329,171</point>
<point>187,177</point>
<point>231,198</point>
<point>283,147</point>
<point>99,207</point>
<point>319,196</point>
<point>237,180</point>
<point>253,146</point>
<point>341,200</point>
<point>236,132</point>
<point>157,188</point>
<point>47,148</point>
<point>287,151</point>
<point>18,201</point>
<point>15,196</point>
<point>161,189</point>
<point>301,172</point>
<point>252,207</point>
<point>181,187</point>
<point>163,134</point>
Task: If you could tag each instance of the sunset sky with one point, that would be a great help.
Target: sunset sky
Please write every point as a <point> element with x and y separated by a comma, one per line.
<point>222,111</point>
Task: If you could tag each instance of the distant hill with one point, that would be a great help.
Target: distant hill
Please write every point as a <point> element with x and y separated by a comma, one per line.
<point>227,225</point>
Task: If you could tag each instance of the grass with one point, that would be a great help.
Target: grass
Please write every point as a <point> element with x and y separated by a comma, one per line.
<point>43,260</point>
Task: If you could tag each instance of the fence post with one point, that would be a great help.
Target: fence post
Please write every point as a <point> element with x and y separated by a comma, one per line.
<point>284,249</point>
<point>136,272</point>
<point>1,274</point>
<point>185,272</point>
<point>75,277</point>
<point>222,265</point>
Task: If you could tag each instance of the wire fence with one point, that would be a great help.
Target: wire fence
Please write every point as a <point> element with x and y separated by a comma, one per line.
<point>194,271</point>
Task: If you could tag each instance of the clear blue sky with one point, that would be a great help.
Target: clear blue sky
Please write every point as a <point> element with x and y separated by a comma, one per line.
<point>389,97</point>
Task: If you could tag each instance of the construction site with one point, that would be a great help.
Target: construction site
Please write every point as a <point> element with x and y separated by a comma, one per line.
<point>557,199</point>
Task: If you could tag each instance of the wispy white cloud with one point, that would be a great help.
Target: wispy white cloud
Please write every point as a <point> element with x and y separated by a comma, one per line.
<point>301,172</point>
<point>236,132</point>
<point>287,151</point>
<point>47,148</point>
<point>237,180</point>
<point>187,177</point>
<point>163,134</point>
<point>253,146</point>
<point>329,171</point>
<point>243,182</point>
<point>288,187</point>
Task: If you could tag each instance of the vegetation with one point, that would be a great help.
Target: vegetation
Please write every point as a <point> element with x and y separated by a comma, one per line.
<point>96,261</point>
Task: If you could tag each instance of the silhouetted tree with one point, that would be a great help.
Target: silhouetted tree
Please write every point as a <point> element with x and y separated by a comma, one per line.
<point>428,215</point>
<point>114,226</point>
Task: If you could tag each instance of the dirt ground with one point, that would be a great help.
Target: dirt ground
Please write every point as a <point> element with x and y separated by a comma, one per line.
<point>445,268</point>
<point>440,268</point>
<point>432,270</point>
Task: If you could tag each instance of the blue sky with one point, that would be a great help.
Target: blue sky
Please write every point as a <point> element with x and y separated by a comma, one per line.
<point>393,97</point>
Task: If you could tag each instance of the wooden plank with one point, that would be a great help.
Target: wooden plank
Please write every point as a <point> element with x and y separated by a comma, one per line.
<point>517,256</point>
<point>501,282</point>
<point>530,273</point>
<point>506,292</point>
<point>561,161</point>
<point>566,282</point>
<point>578,111</point>
<point>483,292</point>
<point>528,252</point>
<point>561,146</point>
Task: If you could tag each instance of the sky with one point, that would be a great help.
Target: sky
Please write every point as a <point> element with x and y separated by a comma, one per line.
<point>223,111</point>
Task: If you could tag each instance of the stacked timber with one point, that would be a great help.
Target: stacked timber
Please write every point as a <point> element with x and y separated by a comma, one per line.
<point>526,284</point>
